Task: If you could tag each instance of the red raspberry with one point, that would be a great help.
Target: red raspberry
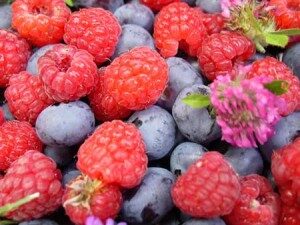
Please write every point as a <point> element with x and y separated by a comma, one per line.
<point>213,22</point>
<point>157,5</point>
<point>2,117</point>
<point>16,138</point>
<point>14,54</point>
<point>178,26</point>
<point>114,153</point>
<point>95,30</point>
<point>26,97</point>
<point>286,13</point>
<point>137,78</point>
<point>68,73</point>
<point>290,215</point>
<point>286,171</point>
<point>40,21</point>
<point>32,173</point>
<point>84,197</point>
<point>209,188</point>
<point>272,68</point>
<point>103,105</point>
<point>258,203</point>
<point>221,51</point>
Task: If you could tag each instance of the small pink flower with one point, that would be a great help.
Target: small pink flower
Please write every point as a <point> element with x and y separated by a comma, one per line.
<point>246,111</point>
<point>226,5</point>
<point>93,220</point>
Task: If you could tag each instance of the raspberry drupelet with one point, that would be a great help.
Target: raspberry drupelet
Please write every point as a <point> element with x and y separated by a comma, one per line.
<point>157,5</point>
<point>41,22</point>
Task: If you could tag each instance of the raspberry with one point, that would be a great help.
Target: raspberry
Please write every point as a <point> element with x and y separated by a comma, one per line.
<point>2,116</point>
<point>209,188</point>
<point>84,197</point>
<point>220,52</point>
<point>178,26</point>
<point>272,68</point>
<point>286,171</point>
<point>213,22</point>
<point>32,173</point>
<point>14,54</point>
<point>157,5</point>
<point>258,204</point>
<point>95,30</point>
<point>41,22</point>
<point>290,215</point>
<point>26,97</point>
<point>16,138</point>
<point>286,13</point>
<point>103,105</point>
<point>137,78</point>
<point>68,73</point>
<point>114,153</point>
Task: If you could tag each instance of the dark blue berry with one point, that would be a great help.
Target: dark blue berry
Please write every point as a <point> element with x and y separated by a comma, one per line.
<point>110,5</point>
<point>7,114</point>
<point>138,14</point>
<point>197,125</point>
<point>210,6</point>
<point>215,221</point>
<point>66,124</point>
<point>61,155</point>
<point>69,175</point>
<point>291,57</point>
<point>151,200</point>
<point>245,161</point>
<point>5,16</point>
<point>158,130</point>
<point>39,222</point>
<point>133,36</point>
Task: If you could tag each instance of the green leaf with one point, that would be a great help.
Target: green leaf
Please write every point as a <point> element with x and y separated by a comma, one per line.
<point>197,101</point>
<point>13,206</point>
<point>69,3</point>
<point>277,87</point>
<point>279,40</point>
<point>288,32</point>
<point>7,222</point>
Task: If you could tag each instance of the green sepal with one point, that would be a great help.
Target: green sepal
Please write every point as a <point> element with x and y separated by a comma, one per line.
<point>197,101</point>
<point>4,210</point>
<point>69,3</point>
<point>8,222</point>
<point>288,32</point>
<point>277,87</point>
<point>279,40</point>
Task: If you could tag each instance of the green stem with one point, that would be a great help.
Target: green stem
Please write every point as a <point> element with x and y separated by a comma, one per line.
<point>13,206</point>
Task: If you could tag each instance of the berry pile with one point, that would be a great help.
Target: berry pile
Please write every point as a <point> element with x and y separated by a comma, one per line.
<point>150,112</point>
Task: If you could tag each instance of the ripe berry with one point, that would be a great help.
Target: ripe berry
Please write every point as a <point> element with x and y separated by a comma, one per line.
<point>214,23</point>
<point>286,13</point>
<point>15,52</point>
<point>137,78</point>
<point>103,105</point>
<point>16,138</point>
<point>26,97</point>
<point>178,26</point>
<point>84,197</point>
<point>2,116</point>
<point>41,22</point>
<point>32,173</point>
<point>258,203</point>
<point>274,69</point>
<point>157,5</point>
<point>95,30</point>
<point>115,153</point>
<point>67,73</point>
<point>290,215</point>
<point>209,188</point>
<point>221,51</point>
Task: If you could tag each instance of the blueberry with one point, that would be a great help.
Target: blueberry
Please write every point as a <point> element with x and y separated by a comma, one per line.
<point>61,155</point>
<point>69,175</point>
<point>184,155</point>
<point>158,130</point>
<point>32,62</point>
<point>215,221</point>
<point>181,75</point>
<point>190,2</point>
<point>133,36</point>
<point>5,16</point>
<point>138,14</point>
<point>197,125</point>
<point>110,5</point>
<point>39,222</point>
<point>170,219</point>
<point>7,113</point>
<point>245,161</point>
<point>210,6</point>
<point>286,130</point>
<point>291,57</point>
<point>151,200</point>
<point>65,124</point>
